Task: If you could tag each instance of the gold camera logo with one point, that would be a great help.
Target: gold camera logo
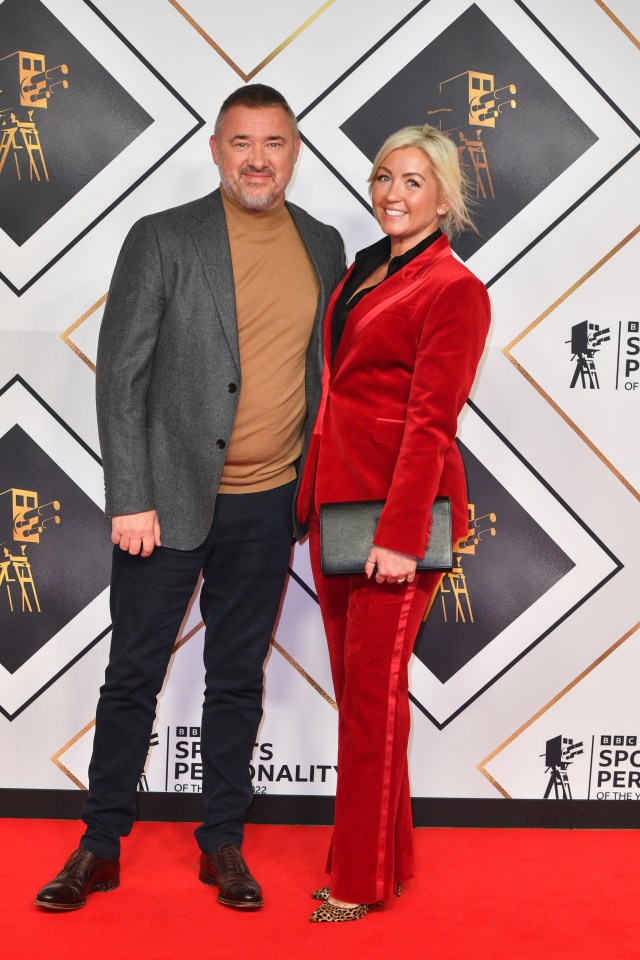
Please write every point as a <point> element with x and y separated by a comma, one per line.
<point>26,85</point>
<point>474,104</point>
<point>22,522</point>
<point>453,591</point>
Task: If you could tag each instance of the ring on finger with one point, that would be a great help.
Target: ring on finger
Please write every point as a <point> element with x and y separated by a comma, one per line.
<point>401,579</point>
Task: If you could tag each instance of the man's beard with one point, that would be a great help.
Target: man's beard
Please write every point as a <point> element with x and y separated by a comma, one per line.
<point>249,197</point>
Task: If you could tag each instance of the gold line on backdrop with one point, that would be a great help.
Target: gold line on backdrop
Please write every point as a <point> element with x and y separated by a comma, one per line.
<point>534,383</point>
<point>303,673</point>
<point>287,656</point>
<point>180,643</point>
<point>274,53</point>
<point>618,23</point>
<point>56,757</point>
<point>66,336</point>
<point>547,706</point>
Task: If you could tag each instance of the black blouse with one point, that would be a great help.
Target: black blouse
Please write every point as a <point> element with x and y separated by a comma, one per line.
<point>366,262</point>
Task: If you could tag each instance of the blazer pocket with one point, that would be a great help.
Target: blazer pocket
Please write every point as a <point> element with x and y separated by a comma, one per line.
<point>401,311</point>
<point>388,431</point>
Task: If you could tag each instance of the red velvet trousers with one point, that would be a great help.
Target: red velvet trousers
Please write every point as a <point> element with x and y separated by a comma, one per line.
<point>371,629</point>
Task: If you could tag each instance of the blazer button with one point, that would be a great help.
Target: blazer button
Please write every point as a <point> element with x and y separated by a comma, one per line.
<point>220,443</point>
<point>232,388</point>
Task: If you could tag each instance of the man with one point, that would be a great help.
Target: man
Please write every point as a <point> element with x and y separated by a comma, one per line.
<point>208,381</point>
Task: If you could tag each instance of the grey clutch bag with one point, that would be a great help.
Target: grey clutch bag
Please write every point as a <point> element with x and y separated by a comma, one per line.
<point>347,531</point>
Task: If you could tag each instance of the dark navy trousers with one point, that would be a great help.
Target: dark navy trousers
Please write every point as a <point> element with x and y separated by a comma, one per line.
<point>244,562</point>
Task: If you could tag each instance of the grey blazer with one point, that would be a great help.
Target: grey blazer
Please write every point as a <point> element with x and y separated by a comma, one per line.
<point>168,361</point>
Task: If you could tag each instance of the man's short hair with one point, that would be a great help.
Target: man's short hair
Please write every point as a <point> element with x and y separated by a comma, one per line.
<point>255,95</point>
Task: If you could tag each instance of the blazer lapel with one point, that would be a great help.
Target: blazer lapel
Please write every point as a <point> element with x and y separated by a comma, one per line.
<point>209,232</point>
<point>395,292</point>
<point>317,250</point>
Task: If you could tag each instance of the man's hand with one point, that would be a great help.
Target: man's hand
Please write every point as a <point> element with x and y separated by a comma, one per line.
<point>136,533</point>
<point>392,567</point>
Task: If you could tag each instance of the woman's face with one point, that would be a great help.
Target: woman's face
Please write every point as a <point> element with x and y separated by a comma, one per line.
<point>406,198</point>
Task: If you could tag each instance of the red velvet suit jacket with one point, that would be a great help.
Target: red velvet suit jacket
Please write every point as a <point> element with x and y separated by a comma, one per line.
<point>399,380</point>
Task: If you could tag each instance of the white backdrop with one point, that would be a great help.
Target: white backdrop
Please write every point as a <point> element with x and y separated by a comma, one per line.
<point>553,649</point>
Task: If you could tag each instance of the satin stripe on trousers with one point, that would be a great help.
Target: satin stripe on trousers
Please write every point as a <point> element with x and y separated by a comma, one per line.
<point>244,562</point>
<point>371,629</point>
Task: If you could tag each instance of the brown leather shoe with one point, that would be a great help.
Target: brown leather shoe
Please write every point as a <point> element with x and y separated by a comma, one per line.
<point>82,874</point>
<point>227,870</point>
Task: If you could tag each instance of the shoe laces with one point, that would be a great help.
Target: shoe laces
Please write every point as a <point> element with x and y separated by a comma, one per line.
<point>77,861</point>
<point>231,858</point>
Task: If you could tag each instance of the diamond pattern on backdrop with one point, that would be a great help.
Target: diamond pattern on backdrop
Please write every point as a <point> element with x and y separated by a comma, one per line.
<point>281,759</point>
<point>89,86</point>
<point>583,356</point>
<point>248,51</point>
<point>335,53</point>
<point>480,76</point>
<point>519,768</point>
<point>55,553</point>
<point>75,114</point>
<point>82,335</point>
<point>528,564</point>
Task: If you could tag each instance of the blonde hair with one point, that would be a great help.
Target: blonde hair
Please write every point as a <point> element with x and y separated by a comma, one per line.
<point>443,156</point>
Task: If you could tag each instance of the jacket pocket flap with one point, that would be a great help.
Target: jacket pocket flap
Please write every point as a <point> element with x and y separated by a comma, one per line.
<point>388,431</point>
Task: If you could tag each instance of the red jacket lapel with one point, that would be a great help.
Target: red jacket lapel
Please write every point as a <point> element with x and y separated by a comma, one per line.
<point>374,309</point>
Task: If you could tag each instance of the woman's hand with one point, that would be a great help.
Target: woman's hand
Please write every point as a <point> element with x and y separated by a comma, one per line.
<point>393,567</point>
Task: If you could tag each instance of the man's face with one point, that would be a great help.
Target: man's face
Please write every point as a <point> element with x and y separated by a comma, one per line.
<point>255,151</point>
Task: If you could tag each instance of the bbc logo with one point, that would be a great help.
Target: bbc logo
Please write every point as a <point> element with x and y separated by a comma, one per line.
<point>617,740</point>
<point>187,731</point>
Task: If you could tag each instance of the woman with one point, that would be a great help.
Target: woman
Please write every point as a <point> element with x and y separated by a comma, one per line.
<point>404,334</point>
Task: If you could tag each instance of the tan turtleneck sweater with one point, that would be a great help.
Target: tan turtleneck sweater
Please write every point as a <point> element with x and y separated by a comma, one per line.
<point>276,290</point>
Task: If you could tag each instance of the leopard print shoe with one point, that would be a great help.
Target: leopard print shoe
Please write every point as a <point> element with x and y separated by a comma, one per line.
<point>320,894</point>
<point>329,913</point>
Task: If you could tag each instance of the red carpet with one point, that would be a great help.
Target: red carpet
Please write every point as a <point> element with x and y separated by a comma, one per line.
<point>479,895</point>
